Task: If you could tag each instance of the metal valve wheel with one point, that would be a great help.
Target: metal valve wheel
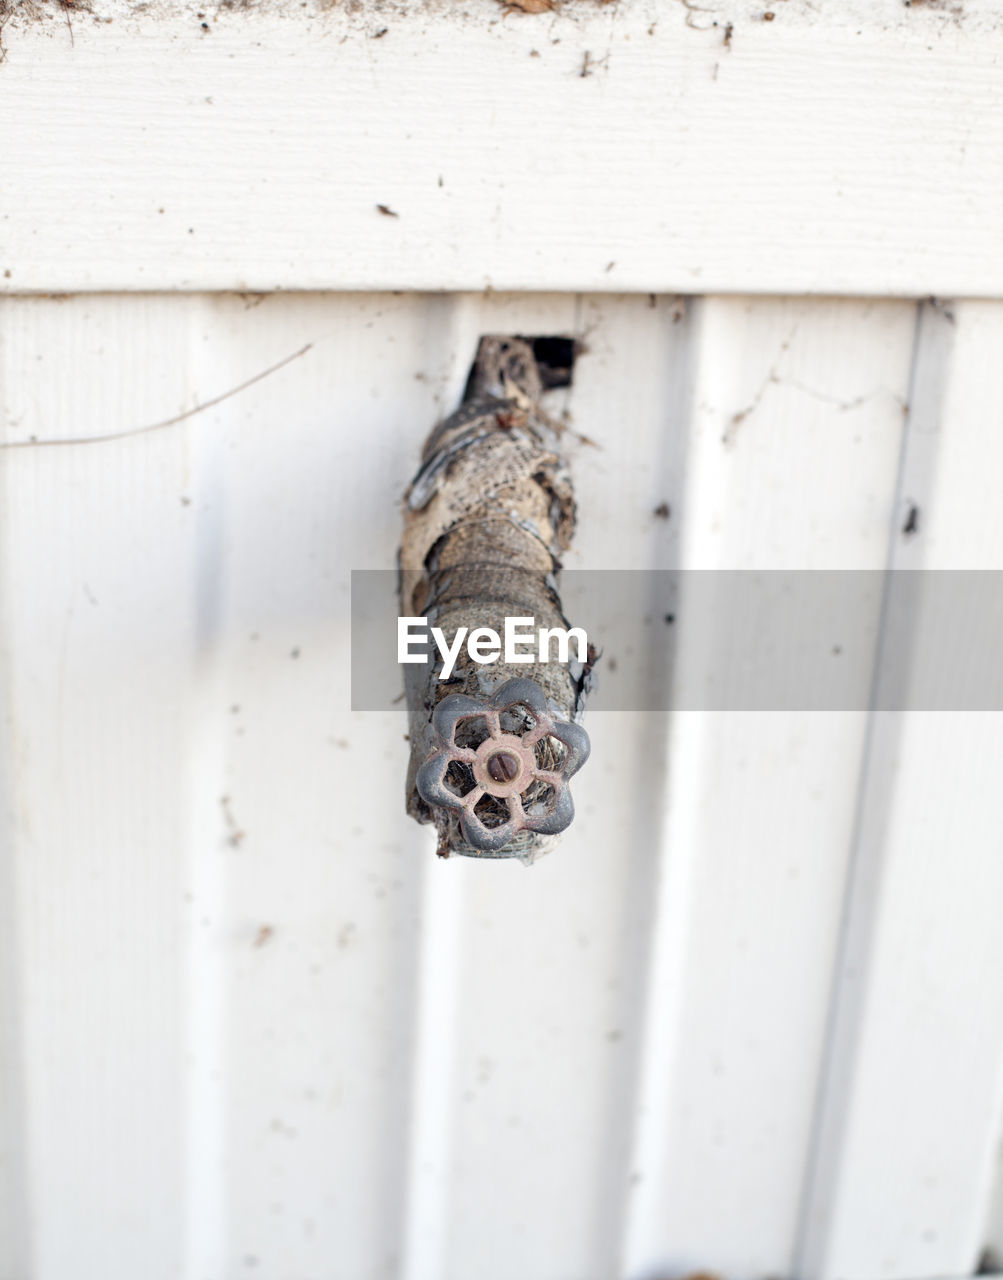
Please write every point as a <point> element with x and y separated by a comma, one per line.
<point>514,768</point>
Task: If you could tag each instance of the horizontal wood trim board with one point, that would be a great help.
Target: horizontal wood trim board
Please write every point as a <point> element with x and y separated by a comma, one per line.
<point>637,146</point>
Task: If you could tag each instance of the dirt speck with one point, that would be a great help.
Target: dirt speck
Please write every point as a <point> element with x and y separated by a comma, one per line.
<point>527,6</point>
<point>911,526</point>
<point>263,936</point>
<point>235,835</point>
<point>589,64</point>
<point>662,512</point>
<point>387,211</point>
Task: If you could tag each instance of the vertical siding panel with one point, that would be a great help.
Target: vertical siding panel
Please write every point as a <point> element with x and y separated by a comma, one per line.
<point>440,1210</point>
<point>320,874</point>
<point>546,988</point>
<point>911,1118</point>
<point>793,452</point>
<point>461,1219</point>
<point>97,653</point>
<point>15,1231</point>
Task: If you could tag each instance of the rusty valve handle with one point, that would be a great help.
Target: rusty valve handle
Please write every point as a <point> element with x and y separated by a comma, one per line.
<point>504,765</point>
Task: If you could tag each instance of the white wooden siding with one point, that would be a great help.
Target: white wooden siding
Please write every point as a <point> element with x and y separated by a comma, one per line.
<point>759,806</point>
<point>911,1121</point>
<point>852,148</point>
<point>745,1019</point>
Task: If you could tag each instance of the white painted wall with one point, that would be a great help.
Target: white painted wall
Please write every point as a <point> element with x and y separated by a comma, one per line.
<point>852,148</point>
<point>747,1019</point>
<point>276,1034</point>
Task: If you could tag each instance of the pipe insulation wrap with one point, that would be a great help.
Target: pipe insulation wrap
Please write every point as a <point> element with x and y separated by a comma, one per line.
<point>486,521</point>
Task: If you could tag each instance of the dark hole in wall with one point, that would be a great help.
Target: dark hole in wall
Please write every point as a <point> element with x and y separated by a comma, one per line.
<point>555,359</point>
